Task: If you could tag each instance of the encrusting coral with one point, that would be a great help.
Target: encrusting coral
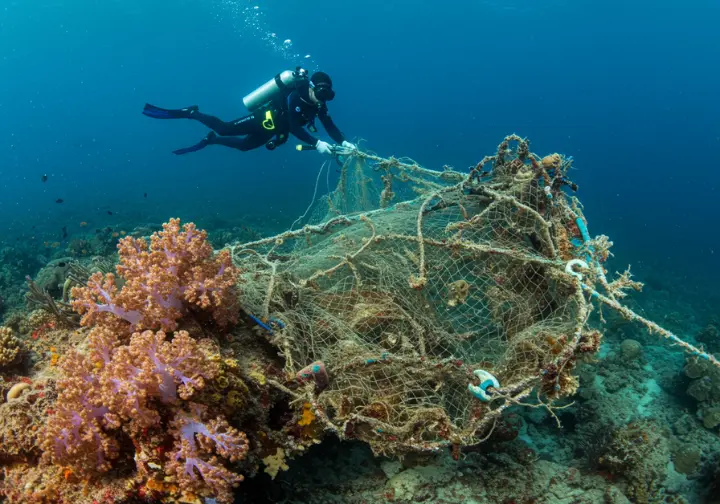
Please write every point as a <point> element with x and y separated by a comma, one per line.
<point>9,347</point>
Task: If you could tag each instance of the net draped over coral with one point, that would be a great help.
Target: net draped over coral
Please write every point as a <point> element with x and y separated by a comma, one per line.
<point>427,295</point>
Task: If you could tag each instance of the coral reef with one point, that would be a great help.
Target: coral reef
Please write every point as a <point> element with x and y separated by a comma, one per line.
<point>639,452</point>
<point>123,390</point>
<point>160,395</point>
<point>16,261</point>
<point>52,276</point>
<point>705,388</point>
<point>630,350</point>
<point>710,336</point>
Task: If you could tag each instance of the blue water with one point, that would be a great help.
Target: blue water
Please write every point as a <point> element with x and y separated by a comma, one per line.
<point>627,88</point>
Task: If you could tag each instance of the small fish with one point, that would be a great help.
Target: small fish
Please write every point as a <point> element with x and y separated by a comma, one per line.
<point>109,212</point>
<point>59,200</point>
<point>64,232</point>
<point>44,178</point>
<point>144,195</point>
<point>83,224</point>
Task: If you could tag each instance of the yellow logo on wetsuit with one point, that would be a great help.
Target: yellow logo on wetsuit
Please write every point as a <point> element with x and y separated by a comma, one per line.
<point>268,123</point>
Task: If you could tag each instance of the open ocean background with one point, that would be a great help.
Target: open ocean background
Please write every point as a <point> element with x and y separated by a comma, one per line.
<point>629,88</point>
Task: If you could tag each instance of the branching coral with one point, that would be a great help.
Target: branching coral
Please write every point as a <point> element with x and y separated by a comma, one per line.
<point>197,440</point>
<point>176,271</point>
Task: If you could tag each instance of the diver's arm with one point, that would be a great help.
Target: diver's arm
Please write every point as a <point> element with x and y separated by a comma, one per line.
<point>329,126</point>
<point>301,133</point>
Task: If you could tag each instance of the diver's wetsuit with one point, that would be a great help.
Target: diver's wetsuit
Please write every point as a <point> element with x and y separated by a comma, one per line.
<point>289,115</point>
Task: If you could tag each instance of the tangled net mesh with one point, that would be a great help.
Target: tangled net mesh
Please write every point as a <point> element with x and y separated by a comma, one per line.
<point>408,280</point>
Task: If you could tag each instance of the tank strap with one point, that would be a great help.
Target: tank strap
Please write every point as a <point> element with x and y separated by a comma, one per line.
<point>280,83</point>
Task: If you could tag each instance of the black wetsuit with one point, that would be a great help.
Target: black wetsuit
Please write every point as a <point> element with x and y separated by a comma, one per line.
<point>290,115</point>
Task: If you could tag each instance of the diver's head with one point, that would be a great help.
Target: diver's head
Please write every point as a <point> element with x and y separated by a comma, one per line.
<point>321,87</point>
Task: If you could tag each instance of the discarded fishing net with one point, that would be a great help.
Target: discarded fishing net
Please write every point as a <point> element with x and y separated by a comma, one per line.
<point>419,304</point>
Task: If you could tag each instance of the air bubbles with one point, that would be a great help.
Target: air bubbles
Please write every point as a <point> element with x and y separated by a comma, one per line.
<point>249,20</point>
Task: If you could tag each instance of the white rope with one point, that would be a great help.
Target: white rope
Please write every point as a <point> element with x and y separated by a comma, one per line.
<point>317,182</point>
<point>327,180</point>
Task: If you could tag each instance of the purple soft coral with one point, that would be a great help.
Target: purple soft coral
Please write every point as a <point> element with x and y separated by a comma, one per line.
<point>121,386</point>
<point>195,438</point>
<point>132,316</point>
<point>75,434</point>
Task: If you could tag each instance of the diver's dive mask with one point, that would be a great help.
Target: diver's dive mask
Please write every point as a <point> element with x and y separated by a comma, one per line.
<point>323,91</point>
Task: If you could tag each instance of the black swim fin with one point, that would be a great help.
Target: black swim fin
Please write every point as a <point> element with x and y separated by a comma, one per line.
<point>161,113</point>
<point>200,145</point>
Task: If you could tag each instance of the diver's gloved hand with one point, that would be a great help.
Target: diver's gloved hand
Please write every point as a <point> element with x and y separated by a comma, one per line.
<point>323,147</point>
<point>349,145</point>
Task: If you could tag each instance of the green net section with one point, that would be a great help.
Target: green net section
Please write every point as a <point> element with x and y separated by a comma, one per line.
<point>417,288</point>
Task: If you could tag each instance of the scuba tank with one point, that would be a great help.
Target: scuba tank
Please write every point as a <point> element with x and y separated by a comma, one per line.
<point>275,86</point>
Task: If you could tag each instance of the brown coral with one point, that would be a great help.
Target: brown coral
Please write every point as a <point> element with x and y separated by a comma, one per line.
<point>9,348</point>
<point>553,161</point>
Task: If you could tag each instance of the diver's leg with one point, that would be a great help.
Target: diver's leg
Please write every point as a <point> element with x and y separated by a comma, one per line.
<point>161,113</point>
<point>247,125</point>
<point>194,148</point>
<point>244,126</point>
<point>244,144</point>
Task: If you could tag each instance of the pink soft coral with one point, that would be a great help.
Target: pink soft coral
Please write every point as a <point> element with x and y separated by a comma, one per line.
<point>151,368</point>
<point>75,434</point>
<point>120,385</point>
<point>176,271</point>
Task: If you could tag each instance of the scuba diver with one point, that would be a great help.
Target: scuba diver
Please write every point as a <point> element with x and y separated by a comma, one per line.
<point>284,105</point>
